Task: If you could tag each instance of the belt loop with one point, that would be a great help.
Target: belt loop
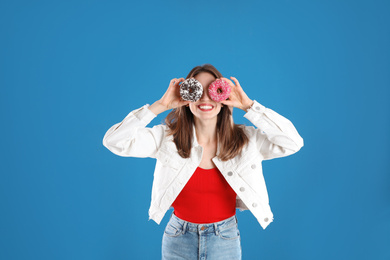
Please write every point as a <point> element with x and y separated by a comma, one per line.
<point>216,229</point>
<point>184,227</point>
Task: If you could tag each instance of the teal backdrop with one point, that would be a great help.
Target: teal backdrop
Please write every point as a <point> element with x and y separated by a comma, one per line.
<point>69,70</point>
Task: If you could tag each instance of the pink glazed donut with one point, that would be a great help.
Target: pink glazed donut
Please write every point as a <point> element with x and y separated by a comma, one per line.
<point>219,90</point>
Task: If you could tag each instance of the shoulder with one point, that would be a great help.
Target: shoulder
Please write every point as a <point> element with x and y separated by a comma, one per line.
<point>250,131</point>
<point>161,127</point>
<point>162,131</point>
<point>158,132</point>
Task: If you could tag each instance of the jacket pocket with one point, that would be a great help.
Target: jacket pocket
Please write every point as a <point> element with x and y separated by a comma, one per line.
<point>170,159</point>
<point>251,166</point>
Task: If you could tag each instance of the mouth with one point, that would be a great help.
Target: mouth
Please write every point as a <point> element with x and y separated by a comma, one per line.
<point>205,107</point>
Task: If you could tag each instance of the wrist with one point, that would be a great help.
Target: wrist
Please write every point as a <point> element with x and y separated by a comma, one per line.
<point>157,107</point>
<point>248,105</point>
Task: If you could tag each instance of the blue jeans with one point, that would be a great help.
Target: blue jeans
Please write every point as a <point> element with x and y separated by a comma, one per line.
<point>213,241</point>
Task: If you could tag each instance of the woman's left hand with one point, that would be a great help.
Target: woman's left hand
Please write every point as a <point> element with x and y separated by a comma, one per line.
<point>237,97</point>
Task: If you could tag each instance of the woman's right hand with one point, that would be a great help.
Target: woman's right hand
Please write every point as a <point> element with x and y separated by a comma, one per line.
<point>172,99</point>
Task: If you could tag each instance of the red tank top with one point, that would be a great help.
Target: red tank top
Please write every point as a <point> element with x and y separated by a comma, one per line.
<point>206,198</point>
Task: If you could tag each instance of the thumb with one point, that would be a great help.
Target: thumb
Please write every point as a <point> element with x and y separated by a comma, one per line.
<point>185,103</point>
<point>225,102</point>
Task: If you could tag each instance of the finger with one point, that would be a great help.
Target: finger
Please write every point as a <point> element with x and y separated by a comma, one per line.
<point>176,81</point>
<point>227,102</point>
<point>228,81</point>
<point>184,103</point>
<point>236,81</point>
<point>172,82</point>
<point>233,94</point>
<point>179,80</point>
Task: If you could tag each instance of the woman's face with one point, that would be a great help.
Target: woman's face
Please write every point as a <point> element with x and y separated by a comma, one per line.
<point>205,108</point>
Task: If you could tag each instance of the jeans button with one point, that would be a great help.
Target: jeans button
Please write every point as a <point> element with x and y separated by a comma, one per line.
<point>203,228</point>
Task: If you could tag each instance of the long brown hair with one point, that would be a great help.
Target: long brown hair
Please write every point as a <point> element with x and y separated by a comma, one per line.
<point>180,121</point>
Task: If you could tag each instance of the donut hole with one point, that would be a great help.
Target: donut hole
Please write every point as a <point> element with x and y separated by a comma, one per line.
<point>190,90</point>
<point>219,91</point>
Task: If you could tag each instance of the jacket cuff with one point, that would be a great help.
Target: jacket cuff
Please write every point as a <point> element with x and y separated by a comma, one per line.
<point>144,114</point>
<point>255,111</point>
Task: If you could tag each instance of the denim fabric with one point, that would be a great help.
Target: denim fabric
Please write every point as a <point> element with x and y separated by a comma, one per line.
<point>214,241</point>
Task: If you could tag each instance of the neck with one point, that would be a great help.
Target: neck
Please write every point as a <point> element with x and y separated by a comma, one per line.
<point>206,131</point>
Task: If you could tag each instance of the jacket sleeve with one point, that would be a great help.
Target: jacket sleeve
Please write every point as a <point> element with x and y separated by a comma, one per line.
<point>131,137</point>
<point>276,136</point>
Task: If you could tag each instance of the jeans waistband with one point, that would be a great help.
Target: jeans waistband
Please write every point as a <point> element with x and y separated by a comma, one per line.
<point>202,228</point>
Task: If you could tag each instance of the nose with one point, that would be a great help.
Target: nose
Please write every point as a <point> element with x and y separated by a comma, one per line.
<point>205,95</point>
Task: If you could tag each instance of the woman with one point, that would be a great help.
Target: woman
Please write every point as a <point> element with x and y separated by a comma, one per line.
<point>207,166</point>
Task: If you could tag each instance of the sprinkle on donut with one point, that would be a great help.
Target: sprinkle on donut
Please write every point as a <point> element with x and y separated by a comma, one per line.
<point>191,90</point>
<point>219,90</point>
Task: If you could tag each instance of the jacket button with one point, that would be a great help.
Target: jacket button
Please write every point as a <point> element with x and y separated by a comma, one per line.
<point>230,173</point>
<point>266,219</point>
<point>253,166</point>
<point>242,189</point>
<point>254,205</point>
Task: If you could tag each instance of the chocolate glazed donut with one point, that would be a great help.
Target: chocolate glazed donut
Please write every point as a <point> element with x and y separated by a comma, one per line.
<point>191,90</point>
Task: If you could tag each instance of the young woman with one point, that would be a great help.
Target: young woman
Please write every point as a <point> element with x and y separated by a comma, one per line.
<point>207,166</point>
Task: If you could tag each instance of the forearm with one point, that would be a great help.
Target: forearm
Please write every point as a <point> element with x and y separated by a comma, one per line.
<point>281,136</point>
<point>132,138</point>
<point>157,108</point>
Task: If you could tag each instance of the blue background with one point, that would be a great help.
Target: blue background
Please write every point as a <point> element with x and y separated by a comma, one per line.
<point>72,69</point>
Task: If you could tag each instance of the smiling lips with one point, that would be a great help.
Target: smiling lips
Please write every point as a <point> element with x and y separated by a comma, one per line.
<point>205,107</point>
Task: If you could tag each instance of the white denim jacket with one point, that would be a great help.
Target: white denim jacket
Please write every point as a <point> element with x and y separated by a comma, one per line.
<point>275,136</point>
